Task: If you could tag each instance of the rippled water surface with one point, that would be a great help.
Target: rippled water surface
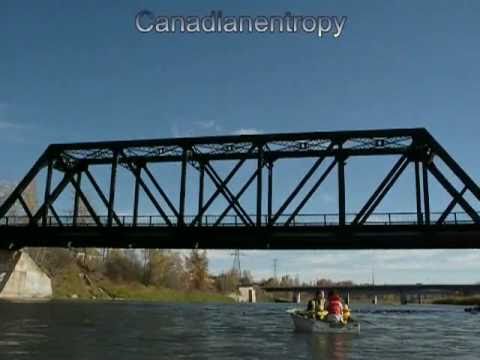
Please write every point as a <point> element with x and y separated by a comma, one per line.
<point>76,330</point>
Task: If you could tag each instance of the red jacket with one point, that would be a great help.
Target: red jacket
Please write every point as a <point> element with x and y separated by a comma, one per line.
<point>335,305</point>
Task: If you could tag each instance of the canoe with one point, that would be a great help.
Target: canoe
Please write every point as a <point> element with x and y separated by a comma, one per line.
<point>305,324</point>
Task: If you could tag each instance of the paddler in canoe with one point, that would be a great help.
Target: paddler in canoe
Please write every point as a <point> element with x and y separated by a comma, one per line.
<point>336,310</point>
<point>332,310</point>
<point>316,306</point>
<point>325,316</point>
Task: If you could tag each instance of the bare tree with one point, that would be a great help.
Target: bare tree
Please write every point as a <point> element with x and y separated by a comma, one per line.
<point>197,267</point>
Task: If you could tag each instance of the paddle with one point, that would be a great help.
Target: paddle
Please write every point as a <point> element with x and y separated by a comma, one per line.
<point>363,320</point>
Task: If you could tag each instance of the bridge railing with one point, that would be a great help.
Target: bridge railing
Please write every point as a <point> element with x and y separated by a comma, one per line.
<point>327,219</point>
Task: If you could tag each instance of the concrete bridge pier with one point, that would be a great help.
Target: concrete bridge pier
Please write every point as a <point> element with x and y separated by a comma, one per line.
<point>22,278</point>
<point>296,297</point>
<point>420,298</point>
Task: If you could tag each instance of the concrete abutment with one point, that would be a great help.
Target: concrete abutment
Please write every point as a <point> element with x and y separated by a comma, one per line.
<point>21,278</point>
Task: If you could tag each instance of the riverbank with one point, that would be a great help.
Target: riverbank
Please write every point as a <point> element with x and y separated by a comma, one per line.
<point>467,300</point>
<point>73,282</point>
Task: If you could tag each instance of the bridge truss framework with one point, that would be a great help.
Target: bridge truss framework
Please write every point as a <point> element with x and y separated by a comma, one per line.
<point>267,228</point>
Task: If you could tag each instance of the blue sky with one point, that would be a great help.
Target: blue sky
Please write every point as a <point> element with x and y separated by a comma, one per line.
<point>81,72</point>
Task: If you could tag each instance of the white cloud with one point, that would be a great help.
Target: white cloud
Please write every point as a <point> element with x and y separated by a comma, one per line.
<point>389,266</point>
<point>246,131</point>
<point>205,128</point>
<point>404,255</point>
<point>208,125</point>
<point>324,259</point>
<point>220,254</point>
<point>5,121</point>
<point>205,124</point>
<point>178,131</point>
<point>195,128</point>
<point>462,261</point>
<point>7,125</point>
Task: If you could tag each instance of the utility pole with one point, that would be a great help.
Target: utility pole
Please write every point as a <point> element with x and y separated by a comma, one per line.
<point>236,267</point>
<point>275,261</point>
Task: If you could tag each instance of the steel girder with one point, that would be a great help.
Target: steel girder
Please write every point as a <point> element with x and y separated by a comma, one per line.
<point>74,161</point>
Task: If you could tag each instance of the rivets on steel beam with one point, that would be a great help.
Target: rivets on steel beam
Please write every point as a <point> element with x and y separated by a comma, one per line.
<point>379,142</point>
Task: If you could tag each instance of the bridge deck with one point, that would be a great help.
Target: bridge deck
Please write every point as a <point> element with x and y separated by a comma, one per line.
<point>230,237</point>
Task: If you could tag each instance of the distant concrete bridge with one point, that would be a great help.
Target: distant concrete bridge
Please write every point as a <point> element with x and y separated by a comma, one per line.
<point>383,289</point>
<point>404,290</point>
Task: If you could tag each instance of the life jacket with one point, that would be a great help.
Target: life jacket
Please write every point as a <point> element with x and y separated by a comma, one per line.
<point>335,306</point>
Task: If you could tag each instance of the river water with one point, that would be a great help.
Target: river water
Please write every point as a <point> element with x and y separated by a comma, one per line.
<point>132,330</point>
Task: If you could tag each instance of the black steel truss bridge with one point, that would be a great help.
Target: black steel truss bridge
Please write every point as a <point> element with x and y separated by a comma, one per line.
<point>285,226</point>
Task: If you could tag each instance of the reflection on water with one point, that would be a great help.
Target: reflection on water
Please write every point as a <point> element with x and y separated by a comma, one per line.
<point>330,346</point>
<point>89,331</point>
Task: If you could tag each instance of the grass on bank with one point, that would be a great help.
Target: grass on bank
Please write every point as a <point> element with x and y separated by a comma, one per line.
<point>137,291</point>
<point>466,300</point>
<point>70,282</point>
<point>73,282</point>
